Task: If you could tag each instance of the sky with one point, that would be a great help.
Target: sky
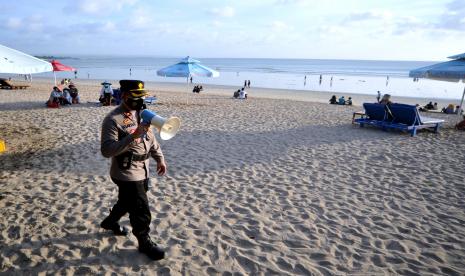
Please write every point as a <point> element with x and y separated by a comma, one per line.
<point>333,29</point>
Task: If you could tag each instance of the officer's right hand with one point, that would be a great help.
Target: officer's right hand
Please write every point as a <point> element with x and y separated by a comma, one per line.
<point>140,131</point>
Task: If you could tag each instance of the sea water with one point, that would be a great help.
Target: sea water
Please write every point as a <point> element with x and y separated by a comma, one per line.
<point>350,76</point>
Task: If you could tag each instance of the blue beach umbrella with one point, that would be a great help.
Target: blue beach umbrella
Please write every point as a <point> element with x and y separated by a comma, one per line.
<point>186,68</point>
<point>452,71</point>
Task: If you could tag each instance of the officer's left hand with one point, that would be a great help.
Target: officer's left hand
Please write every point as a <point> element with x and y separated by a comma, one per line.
<point>161,168</point>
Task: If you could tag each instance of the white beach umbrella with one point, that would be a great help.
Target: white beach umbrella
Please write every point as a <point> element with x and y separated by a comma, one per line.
<point>452,71</point>
<point>16,62</point>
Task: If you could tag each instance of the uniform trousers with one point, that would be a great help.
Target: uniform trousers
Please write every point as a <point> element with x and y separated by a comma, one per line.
<point>132,199</point>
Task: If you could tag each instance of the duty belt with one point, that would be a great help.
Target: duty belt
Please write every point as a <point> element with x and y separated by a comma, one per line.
<point>140,157</point>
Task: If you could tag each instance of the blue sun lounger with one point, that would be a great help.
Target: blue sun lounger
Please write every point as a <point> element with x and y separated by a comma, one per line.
<point>150,100</point>
<point>397,116</point>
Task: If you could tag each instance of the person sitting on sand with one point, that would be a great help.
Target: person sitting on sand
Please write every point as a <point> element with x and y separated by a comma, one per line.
<point>449,109</point>
<point>342,101</point>
<point>54,100</point>
<point>197,89</point>
<point>236,94</point>
<point>243,94</point>
<point>429,106</point>
<point>67,100</point>
<point>74,94</point>
<point>349,101</point>
<point>386,99</point>
<point>333,100</point>
<point>106,93</point>
<point>435,106</point>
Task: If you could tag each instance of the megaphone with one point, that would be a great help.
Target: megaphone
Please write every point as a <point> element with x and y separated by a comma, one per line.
<point>166,127</point>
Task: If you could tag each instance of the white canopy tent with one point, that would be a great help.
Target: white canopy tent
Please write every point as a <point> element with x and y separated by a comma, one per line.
<point>16,62</point>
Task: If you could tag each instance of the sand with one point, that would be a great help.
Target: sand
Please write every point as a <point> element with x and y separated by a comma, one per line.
<point>282,183</point>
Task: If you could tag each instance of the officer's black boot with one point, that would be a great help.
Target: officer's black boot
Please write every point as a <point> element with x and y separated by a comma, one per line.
<point>149,248</point>
<point>118,230</point>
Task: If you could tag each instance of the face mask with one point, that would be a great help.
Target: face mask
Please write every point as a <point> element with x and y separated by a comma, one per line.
<point>135,104</point>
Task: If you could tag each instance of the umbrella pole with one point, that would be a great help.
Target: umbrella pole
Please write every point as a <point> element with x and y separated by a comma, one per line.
<point>55,75</point>
<point>187,101</point>
<point>461,103</point>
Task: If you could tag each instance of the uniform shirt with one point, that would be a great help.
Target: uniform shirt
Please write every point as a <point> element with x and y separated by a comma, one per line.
<point>116,139</point>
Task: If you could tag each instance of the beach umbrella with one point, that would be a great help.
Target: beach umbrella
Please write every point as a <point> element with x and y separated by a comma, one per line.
<point>452,71</point>
<point>186,68</point>
<point>57,66</point>
<point>16,62</point>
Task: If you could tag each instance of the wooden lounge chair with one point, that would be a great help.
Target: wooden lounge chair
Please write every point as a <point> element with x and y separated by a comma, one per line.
<point>5,84</point>
<point>397,116</point>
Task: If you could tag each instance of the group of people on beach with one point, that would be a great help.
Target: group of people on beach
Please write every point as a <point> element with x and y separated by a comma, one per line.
<point>65,81</point>
<point>63,96</point>
<point>240,94</point>
<point>341,101</point>
<point>197,89</point>
<point>430,107</point>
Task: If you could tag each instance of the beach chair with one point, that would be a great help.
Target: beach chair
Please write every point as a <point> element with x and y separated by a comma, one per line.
<point>375,115</point>
<point>404,117</point>
<point>5,84</point>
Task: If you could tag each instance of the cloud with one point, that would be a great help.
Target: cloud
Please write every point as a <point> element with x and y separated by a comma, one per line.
<point>223,12</point>
<point>14,23</point>
<point>292,2</point>
<point>279,26</point>
<point>456,5</point>
<point>97,6</point>
<point>453,18</point>
<point>140,19</point>
<point>31,23</point>
<point>369,15</point>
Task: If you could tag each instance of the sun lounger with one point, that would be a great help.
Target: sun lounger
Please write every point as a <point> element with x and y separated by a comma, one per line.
<point>150,100</point>
<point>5,84</point>
<point>431,110</point>
<point>402,117</point>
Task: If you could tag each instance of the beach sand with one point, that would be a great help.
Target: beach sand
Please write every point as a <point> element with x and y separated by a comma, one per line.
<point>281,183</point>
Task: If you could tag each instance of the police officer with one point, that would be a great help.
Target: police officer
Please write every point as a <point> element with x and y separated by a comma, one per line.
<point>130,144</point>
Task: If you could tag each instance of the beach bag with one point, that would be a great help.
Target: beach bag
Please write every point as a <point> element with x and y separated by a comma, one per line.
<point>51,104</point>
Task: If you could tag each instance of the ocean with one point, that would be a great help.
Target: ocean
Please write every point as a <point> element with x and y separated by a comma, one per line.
<point>351,76</point>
